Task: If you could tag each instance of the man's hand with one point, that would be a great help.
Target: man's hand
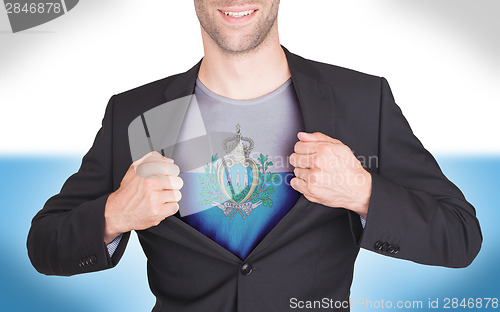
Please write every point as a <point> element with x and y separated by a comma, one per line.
<point>148,193</point>
<point>327,172</point>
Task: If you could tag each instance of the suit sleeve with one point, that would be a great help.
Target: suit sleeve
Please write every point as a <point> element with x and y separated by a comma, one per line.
<point>415,212</point>
<point>67,236</point>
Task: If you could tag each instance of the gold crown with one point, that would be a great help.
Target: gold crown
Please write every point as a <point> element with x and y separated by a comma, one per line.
<point>231,144</point>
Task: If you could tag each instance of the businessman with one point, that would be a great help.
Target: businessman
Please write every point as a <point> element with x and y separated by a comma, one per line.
<point>247,231</point>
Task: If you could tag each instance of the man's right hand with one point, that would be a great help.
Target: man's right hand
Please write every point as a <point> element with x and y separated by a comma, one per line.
<point>148,193</point>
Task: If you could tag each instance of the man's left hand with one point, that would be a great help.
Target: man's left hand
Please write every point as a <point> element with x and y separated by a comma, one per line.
<point>327,172</point>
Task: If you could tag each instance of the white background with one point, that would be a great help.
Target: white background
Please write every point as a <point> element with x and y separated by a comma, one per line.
<point>439,56</point>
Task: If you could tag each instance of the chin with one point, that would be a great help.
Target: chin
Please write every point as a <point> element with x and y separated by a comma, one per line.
<point>238,44</point>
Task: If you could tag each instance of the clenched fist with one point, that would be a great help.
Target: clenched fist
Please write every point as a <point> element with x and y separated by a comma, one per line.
<point>327,172</point>
<point>149,192</point>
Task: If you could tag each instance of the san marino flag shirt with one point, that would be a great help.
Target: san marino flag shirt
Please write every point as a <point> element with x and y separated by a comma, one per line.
<point>243,190</point>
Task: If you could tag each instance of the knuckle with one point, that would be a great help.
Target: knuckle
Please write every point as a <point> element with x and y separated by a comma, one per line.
<point>324,162</point>
<point>149,198</point>
<point>154,210</point>
<point>296,147</point>
<point>167,196</point>
<point>139,169</point>
<point>302,161</point>
<point>158,198</point>
<point>171,208</point>
<point>172,169</point>
<point>180,182</point>
<point>313,177</point>
<point>326,148</point>
<point>144,166</point>
<point>311,198</point>
<point>177,195</point>
<point>177,170</point>
<point>345,150</point>
<point>148,183</point>
<point>154,156</point>
<point>157,220</point>
<point>316,161</point>
<point>321,160</point>
<point>142,170</point>
<point>169,183</point>
<point>311,190</point>
<point>321,149</point>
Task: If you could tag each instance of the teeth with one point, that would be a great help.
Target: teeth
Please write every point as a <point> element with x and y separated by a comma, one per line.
<point>239,14</point>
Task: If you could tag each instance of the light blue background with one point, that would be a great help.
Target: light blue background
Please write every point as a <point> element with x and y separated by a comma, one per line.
<point>26,183</point>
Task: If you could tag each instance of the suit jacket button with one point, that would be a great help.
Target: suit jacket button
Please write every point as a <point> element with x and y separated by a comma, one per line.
<point>246,269</point>
<point>378,245</point>
<point>390,248</point>
<point>396,249</point>
<point>384,246</point>
<point>93,260</point>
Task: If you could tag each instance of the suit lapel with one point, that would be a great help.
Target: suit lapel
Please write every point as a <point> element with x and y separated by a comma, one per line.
<point>317,105</point>
<point>315,98</point>
<point>318,111</point>
<point>183,84</point>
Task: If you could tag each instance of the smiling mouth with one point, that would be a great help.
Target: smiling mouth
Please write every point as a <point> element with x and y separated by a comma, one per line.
<point>238,14</point>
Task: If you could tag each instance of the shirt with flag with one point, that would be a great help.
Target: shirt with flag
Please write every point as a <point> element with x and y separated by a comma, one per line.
<point>240,193</point>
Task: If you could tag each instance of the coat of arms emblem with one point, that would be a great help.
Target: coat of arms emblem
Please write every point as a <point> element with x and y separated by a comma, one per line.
<point>236,183</point>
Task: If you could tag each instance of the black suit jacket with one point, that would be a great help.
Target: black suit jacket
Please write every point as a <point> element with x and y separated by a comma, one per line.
<point>415,212</point>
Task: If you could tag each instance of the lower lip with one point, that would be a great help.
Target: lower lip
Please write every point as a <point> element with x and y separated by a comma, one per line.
<point>237,20</point>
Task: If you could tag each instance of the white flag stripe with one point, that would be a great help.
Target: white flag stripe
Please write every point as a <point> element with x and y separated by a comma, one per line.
<point>444,71</point>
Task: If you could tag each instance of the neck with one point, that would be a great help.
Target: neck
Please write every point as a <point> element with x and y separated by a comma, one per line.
<point>244,76</point>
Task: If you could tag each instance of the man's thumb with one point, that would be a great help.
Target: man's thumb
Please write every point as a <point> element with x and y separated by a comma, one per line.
<point>316,137</point>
